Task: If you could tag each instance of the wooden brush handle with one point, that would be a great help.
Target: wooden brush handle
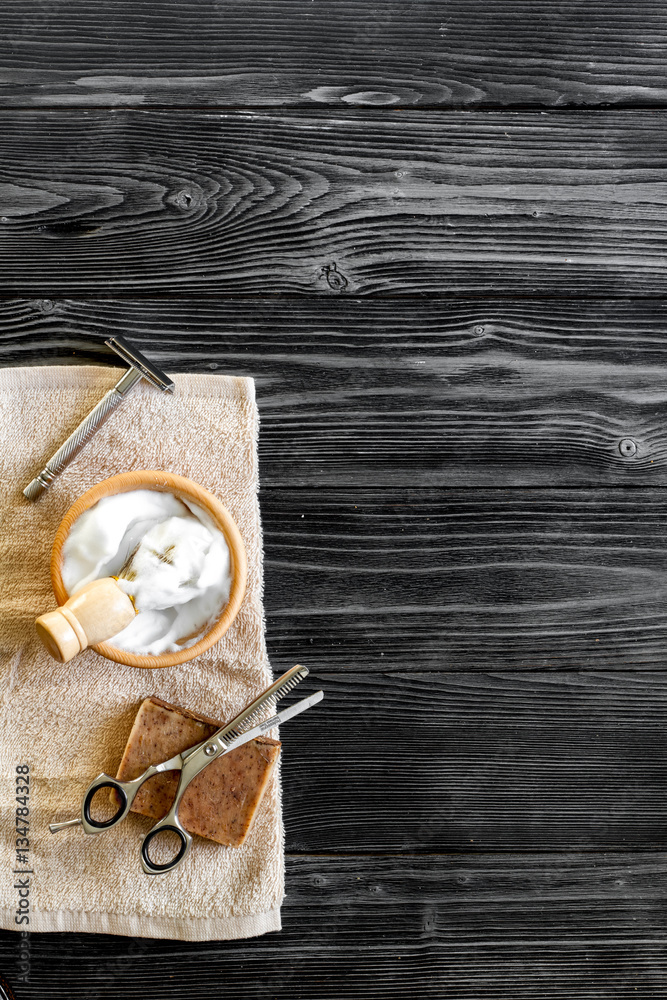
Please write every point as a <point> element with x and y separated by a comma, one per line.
<point>95,613</point>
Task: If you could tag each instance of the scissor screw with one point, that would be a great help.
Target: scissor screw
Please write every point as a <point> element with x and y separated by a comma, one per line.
<point>210,750</point>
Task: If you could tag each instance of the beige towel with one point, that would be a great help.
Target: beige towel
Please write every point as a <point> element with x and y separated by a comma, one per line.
<point>70,721</point>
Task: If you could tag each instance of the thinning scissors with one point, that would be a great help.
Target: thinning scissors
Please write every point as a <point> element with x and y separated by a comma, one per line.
<point>190,762</point>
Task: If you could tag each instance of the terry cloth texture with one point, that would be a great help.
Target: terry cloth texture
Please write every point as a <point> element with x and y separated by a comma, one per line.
<point>70,721</point>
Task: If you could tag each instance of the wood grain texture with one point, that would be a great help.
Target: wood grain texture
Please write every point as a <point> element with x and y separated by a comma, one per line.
<point>354,53</point>
<point>250,203</point>
<point>460,579</point>
<point>408,393</point>
<point>393,575</point>
<point>493,659</point>
<point>384,928</point>
<point>469,762</point>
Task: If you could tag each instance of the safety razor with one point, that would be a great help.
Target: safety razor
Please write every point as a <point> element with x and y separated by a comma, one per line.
<point>140,367</point>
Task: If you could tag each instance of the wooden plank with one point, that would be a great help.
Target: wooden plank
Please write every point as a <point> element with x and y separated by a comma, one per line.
<point>354,53</point>
<point>469,762</point>
<point>467,580</point>
<point>370,393</point>
<point>249,203</point>
<point>394,576</point>
<point>563,926</point>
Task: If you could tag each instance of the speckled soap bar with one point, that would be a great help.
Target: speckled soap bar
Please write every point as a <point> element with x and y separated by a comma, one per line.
<point>222,801</point>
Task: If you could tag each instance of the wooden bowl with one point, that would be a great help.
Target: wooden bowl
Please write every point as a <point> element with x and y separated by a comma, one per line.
<point>184,489</point>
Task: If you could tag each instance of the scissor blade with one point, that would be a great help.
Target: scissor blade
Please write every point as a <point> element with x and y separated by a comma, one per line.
<point>278,719</point>
<point>248,716</point>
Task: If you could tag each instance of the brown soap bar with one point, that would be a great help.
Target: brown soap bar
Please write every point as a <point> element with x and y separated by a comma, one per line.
<point>221,802</point>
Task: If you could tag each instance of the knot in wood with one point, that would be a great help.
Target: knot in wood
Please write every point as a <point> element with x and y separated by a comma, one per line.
<point>184,200</point>
<point>335,280</point>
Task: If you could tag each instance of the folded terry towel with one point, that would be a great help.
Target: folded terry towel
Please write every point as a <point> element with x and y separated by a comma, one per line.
<point>70,721</point>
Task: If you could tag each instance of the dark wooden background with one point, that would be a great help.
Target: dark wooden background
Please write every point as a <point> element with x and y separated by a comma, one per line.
<point>436,234</point>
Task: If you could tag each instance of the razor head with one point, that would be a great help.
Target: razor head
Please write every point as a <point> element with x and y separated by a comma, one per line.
<point>134,358</point>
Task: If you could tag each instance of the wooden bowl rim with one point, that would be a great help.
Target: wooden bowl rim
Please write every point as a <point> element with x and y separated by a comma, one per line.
<point>184,489</point>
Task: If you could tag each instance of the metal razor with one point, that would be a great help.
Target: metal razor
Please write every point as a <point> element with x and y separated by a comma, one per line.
<point>140,367</point>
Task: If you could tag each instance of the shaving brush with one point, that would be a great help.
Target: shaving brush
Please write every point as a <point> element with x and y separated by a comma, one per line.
<point>162,571</point>
<point>95,613</point>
